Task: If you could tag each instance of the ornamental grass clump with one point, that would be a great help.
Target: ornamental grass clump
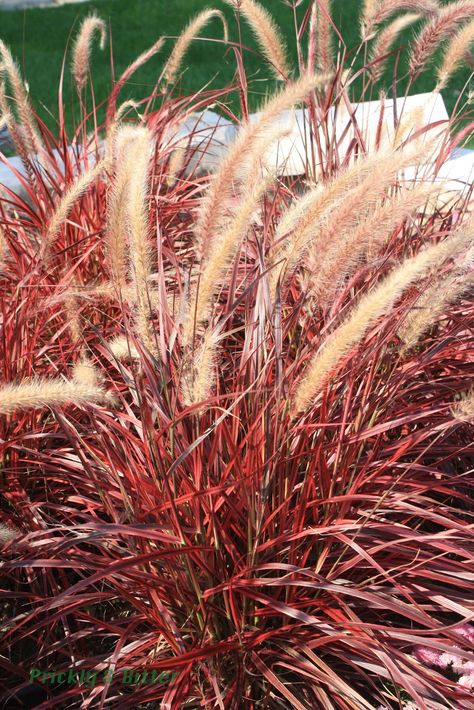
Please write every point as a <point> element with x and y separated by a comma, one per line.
<point>236,405</point>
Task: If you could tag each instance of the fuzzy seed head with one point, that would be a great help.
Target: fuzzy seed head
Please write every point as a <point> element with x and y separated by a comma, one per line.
<point>463,411</point>
<point>123,349</point>
<point>7,533</point>
<point>267,35</point>
<point>52,392</point>
<point>373,305</point>
<point>180,48</point>
<point>454,55</point>
<point>82,48</point>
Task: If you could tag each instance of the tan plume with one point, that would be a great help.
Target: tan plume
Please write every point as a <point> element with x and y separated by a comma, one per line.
<point>441,27</point>
<point>355,240</point>
<point>82,48</point>
<point>384,41</point>
<point>123,349</point>
<point>176,164</point>
<point>357,187</point>
<point>30,135</point>
<point>430,306</point>
<point>72,315</point>
<point>463,410</point>
<point>224,249</point>
<point>116,232</point>
<point>375,13</point>
<point>324,33</point>
<point>138,159</point>
<point>370,307</point>
<point>7,533</point>
<point>52,392</point>
<point>22,146</point>
<point>228,239</point>
<point>66,204</point>
<point>180,48</point>
<point>198,377</point>
<point>85,373</point>
<point>369,12</point>
<point>267,35</point>
<point>454,55</point>
<point>250,140</point>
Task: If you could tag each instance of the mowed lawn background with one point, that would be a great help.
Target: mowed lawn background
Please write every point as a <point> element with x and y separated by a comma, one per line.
<point>38,39</point>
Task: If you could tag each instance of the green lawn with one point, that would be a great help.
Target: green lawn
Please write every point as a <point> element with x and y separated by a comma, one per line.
<point>38,39</point>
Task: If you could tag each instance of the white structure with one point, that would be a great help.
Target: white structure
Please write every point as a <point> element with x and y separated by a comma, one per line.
<point>289,155</point>
<point>25,4</point>
<point>205,137</point>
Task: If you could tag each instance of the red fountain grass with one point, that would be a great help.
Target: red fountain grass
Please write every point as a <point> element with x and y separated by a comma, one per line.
<point>230,550</point>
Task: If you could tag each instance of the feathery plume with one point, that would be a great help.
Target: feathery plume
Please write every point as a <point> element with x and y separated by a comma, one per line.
<point>223,181</point>
<point>6,115</point>
<point>369,11</point>
<point>105,290</point>
<point>198,378</point>
<point>124,108</point>
<point>172,66</point>
<point>138,228</point>
<point>22,147</point>
<point>116,216</point>
<point>431,306</point>
<point>67,202</point>
<point>228,239</point>
<point>432,303</point>
<point>374,304</point>
<point>410,122</point>
<point>463,410</point>
<point>384,41</point>
<point>72,317</point>
<point>110,141</point>
<point>375,13</point>
<point>82,48</point>
<point>302,224</point>
<point>455,54</point>
<point>85,373</point>
<point>7,534</point>
<point>312,39</point>
<point>123,349</point>
<point>224,248</point>
<point>30,136</point>
<point>441,27</point>
<point>176,164</point>
<point>352,240</point>
<point>325,60</point>
<point>267,35</point>
<point>52,392</point>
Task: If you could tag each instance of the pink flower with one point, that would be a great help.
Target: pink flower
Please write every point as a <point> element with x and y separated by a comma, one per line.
<point>452,659</point>
<point>467,681</point>
<point>466,631</point>
<point>427,655</point>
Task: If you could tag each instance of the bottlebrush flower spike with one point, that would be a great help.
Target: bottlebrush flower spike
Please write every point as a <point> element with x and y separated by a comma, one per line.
<point>7,533</point>
<point>52,392</point>
<point>267,35</point>
<point>193,29</point>
<point>82,48</point>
